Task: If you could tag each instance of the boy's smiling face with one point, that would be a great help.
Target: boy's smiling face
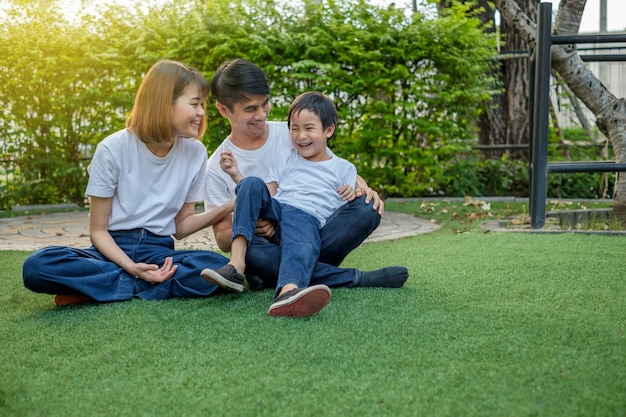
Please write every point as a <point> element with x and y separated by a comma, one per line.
<point>309,136</point>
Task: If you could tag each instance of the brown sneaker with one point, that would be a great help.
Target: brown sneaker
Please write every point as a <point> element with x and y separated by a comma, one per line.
<point>69,299</point>
<point>300,302</point>
<point>226,277</point>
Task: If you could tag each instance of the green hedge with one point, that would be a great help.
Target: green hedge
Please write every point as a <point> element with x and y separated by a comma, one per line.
<point>408,88</point>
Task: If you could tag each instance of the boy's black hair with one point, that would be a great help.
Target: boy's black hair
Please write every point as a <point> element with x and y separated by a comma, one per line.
<point>235,81</point>
<point>319,104</point>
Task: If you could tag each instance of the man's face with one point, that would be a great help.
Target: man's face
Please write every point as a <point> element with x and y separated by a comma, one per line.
<point>248,117</point>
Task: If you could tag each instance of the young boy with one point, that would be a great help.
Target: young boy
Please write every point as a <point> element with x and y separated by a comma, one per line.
<point>308,183</point>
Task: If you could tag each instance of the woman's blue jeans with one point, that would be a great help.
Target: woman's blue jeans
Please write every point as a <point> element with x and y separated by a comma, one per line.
<point>65,270</point>
<point>346,229</point>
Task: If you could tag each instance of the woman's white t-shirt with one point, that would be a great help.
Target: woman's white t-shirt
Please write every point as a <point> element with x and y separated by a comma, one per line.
<point>148,191</point>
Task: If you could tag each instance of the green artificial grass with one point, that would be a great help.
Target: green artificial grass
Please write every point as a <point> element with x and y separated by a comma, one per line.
<point>488,324</point>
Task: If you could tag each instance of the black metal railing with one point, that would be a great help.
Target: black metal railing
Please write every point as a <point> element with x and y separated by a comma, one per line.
<point>539,100</point>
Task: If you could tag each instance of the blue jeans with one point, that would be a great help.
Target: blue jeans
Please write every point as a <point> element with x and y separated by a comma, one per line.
<point>297,232</point>
<point>346,229</point>
<point>65,270</point>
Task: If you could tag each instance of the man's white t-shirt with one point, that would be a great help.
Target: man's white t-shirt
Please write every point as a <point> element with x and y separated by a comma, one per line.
<point>311,186</point>
<point>220,187</point>
<point>148,191</point>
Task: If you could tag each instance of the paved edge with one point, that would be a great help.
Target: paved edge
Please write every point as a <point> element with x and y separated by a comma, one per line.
<point>33,232</point>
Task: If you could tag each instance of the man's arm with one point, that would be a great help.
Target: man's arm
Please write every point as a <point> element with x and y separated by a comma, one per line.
<point>363,189</point>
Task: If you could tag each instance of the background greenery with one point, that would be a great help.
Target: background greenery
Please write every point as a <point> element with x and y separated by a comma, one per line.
<point>488,324</point>
<point>408,88</point>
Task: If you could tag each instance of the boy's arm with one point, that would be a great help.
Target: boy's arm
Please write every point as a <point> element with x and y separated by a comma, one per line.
<point>228,163</point>
<point>346,192</point>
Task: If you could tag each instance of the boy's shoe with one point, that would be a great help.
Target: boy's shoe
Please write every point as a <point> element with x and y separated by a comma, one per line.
<point>300,302</point>
<point>226,277</point>
<point>69,299</point>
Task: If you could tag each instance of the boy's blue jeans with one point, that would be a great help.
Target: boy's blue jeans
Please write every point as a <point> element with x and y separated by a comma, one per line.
<point>347,228</point>
<point>65,270</point>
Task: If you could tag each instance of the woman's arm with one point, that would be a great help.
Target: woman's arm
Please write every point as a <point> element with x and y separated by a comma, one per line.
<point>188,222</point>
<point>272,188</point>
<point>99,212</point>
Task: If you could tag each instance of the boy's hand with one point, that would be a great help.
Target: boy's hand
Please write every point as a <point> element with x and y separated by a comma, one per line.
<point>228,163</point>
<point>346,192</point>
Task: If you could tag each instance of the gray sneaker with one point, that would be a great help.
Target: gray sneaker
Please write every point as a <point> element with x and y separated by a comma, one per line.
<point>300,302</point>
<point>226,277</point>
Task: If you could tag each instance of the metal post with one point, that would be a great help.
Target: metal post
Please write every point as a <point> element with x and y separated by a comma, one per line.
<point>531,122</point>
<point>540,117</point>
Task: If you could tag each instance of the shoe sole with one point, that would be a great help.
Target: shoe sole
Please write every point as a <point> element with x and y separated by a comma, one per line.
<point>305,303</point>
<point>214,278</point>
<point>62,300</point>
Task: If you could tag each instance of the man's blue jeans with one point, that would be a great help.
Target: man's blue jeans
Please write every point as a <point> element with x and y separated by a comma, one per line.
<point>346,229</point>
<point>65,270</point>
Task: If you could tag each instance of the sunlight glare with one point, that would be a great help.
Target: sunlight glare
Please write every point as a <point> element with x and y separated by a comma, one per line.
<point>73,8</point>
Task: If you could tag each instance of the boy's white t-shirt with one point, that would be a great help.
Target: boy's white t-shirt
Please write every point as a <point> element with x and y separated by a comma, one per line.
<point>220,187</point>
<point>311,186</point>
<point>148,191</point>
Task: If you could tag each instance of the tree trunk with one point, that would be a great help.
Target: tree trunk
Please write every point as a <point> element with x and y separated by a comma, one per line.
<point>580,114</point>
<point>517,81</point>
<point>493,121</point>
<point>505,121</point>
<point>610,111</point>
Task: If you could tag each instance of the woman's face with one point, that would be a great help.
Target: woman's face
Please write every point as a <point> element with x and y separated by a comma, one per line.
<point>187,113</point>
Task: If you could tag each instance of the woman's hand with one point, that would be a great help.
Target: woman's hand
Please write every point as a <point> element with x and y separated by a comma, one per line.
<point>153,274</point>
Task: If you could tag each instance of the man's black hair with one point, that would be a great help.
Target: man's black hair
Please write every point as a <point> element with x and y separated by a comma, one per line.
<point>235,81</point>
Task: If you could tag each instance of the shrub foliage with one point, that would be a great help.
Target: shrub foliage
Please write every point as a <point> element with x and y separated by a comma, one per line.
<point>408,88</point>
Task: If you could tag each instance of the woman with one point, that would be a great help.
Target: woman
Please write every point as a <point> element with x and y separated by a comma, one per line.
<point>143,184</point>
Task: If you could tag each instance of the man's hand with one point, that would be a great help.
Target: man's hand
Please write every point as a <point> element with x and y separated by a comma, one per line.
<point>369,196</point>
<point>265,228</point>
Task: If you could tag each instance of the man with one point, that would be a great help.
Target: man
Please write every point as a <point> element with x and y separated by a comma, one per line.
<point>242,94</point>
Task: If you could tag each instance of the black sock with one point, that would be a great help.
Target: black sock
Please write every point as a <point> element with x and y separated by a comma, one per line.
<point>389,277</point>
<point>254,282</point>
